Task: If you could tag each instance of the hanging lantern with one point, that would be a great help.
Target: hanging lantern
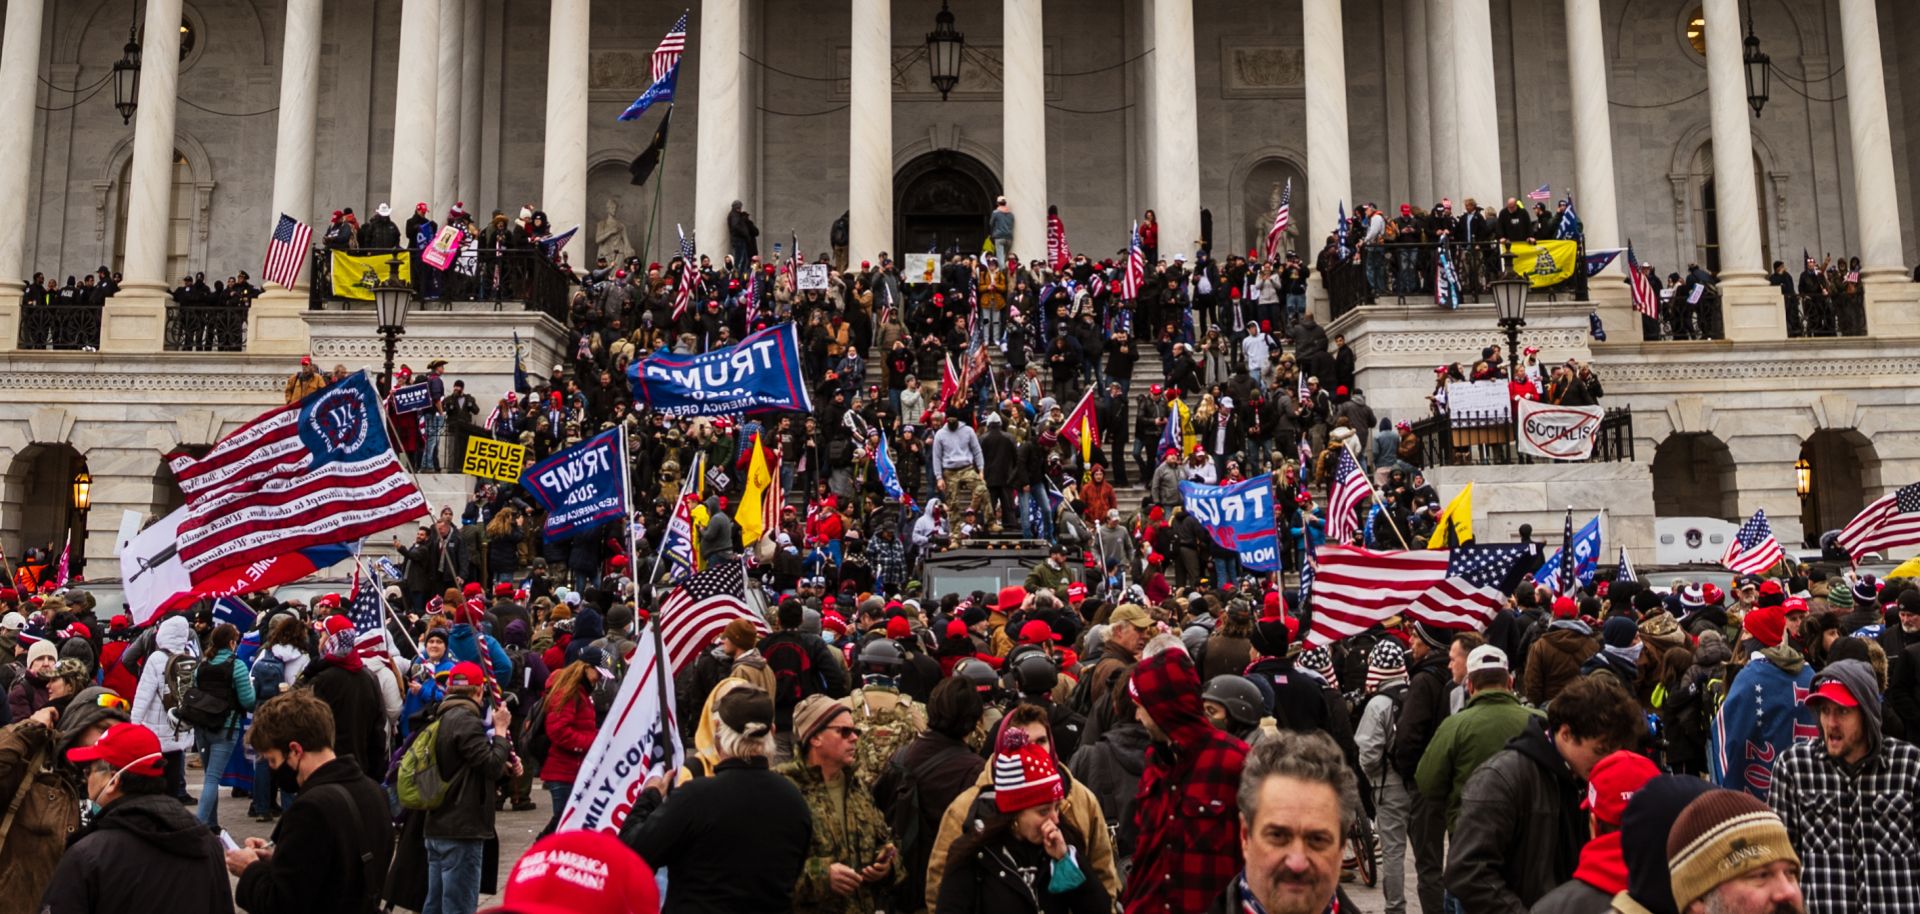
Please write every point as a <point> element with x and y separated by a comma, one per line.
<point>943,51</point>
<point>126,78</point>
<point>1759,69</point>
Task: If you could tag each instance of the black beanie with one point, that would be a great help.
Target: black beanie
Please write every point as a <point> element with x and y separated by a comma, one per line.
<point>1643,837</point>
<point>1646,601</point>
<point>1270,638</point>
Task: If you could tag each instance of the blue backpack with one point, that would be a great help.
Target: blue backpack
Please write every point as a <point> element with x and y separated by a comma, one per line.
<point>268,674</point>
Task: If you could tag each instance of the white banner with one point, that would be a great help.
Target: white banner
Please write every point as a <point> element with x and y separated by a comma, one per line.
<point>1478,403</point>
<point>638,741</point>
<point>919,269</point>
<point>813,276</point>
<point>1558,432</point>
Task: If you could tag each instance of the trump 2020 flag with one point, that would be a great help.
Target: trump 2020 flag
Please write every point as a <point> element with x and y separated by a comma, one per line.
<point>762,373</point>
<point>638,740</point>
<point>1238,517</point>
<point>1586,560</point>
<point>581,487</point>
<point>889,476</point>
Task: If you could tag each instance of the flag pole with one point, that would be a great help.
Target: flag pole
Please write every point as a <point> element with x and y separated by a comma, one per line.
<point>626,507</point>
<point>659,182</point>
<point>373,575</point>
<point>1375,494</point>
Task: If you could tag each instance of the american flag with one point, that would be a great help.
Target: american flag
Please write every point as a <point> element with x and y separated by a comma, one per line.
<point>1542,192</point>
<point>1340,230</point>
<point>1282,218</point>
<point>1459,588</point>
<point>1892,520</point>
<point>370,636</point>
<point>1753,549</point>
<point>1625,572</point>
<point>1135,275</point>
<point>1350,491</point>
<point>1645,299</point>
<point>313,473</point>
<point>668,53</point>
<point>287,252</point>
<point>698,611</point>
<point>689,275</point>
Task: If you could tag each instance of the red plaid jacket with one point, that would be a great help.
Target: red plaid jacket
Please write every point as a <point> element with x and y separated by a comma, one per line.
<point>1189,844</point>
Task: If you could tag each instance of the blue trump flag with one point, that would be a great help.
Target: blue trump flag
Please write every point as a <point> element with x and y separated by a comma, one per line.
<point>1238,517</point>
<point>762,373</point>
<point>581,487</point>
<point>661,91</point>
<point>412,398</point>
<point>883,465</point>
<point>1586,559</point>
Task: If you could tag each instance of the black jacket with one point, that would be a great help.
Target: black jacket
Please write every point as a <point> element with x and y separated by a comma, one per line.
<point>179,865</point>
<point>942,768</point>
<point>1293,698</point>
<point>359,714</point>
<point>736,840</point>
<point>471,761</point>
<point>830,676</point>
<point>997,451</point>
<point>1111,768</point>
<point>1421,713</point>
<point>1527,832</point>
<point>310,869</point>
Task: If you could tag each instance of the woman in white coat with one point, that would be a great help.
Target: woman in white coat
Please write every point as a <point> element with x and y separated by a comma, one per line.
<point>173,639</point>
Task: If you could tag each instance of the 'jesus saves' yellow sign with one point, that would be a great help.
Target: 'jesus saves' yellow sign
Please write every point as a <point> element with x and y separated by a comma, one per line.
<point>490,459</point>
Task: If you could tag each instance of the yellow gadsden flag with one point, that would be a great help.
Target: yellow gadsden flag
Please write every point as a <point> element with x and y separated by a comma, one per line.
<point>1546,263</point>
<point>1458,518</point>
<point>752,516</point>
<point>355,276</point>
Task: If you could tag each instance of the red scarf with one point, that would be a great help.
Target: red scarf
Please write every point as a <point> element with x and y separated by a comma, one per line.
<point>1603,864</point>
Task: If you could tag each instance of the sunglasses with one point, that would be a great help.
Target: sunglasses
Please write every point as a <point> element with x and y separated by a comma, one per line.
<point>846,732</point>
<point>113,702</point>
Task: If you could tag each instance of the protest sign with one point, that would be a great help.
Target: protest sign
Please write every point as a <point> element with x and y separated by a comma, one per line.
<point>762,373</point>
<point>638,741</point>
<point>1483,402</point>
<point>445,247</point>
<point>1239,517</point>
<point>580,487</point>
<point>412,398</point>
<point>813,276</point>
<point>919,269</point>
<point>490,459</point>
<point>1558,432</point>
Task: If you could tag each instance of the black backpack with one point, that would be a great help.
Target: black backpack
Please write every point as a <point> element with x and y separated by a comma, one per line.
<point>211,699</point>
<point>534,742</point>
<point>793,676</point>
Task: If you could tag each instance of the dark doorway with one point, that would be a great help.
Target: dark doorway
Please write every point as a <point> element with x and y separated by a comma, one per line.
<point>1842,467</point>
<point>1693,476</point>
<point>941,203</point>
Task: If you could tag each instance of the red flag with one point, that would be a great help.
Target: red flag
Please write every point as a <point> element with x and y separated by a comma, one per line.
<point>1083,425</point>
<point>1058,253</point>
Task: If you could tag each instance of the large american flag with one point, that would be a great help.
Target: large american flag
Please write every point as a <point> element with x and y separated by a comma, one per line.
<point>1645,299</point>
<point>689,276</point>
<point>1282,218</point>
<point>287,252</point>
<point>1135,275</point>
<point>1350,491</point>
<point>314,473</point>
<point>698,611</point>
<point>1891,521</point>
<point>1459,588</point>
<point>668,53</point>
<point>1753,549</point>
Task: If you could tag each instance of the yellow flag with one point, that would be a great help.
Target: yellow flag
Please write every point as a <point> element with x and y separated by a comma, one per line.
<point>354,276</point>
<point>1546,263</point>
<point>1188,437</point>
<point>1458,517</point>
<point>1908,569</point>
<point>751,516</point>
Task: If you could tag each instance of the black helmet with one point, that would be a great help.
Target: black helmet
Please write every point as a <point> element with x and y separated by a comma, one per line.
<point>1240,698</point>
<point>881,652</point>
<point>977,673</point>
<point>1032,672</point>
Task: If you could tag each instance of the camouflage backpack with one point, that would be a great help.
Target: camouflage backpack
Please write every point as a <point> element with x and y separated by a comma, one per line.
<point>887,721</point>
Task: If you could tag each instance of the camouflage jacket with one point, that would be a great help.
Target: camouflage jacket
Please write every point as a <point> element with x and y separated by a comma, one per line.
<point>854,840</point>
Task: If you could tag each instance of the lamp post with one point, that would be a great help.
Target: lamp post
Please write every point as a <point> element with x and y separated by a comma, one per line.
<point>943,51</point>
<point>391,299</point>
<point>1510,303</point>
<point>82,503</point>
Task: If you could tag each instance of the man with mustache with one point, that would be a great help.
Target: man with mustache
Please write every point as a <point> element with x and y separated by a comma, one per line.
<point>1297,799</point>
<point>1730,855</point>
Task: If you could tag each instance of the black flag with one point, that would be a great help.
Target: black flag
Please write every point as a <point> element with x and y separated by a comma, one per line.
<point>649,158</point>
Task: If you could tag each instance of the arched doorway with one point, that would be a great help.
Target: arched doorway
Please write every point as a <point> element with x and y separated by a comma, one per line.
<point>1842,467</point>
<point>1693,477</point>
<point>44,504</point>
<point>941,201</point>
<point>1260,194</point>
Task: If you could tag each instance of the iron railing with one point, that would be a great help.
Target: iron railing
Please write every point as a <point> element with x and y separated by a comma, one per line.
<point>1405,273</point>
<point>1472,439</point>
<point>206,328</point>
<point>522,276</point>
<point>60,326</point>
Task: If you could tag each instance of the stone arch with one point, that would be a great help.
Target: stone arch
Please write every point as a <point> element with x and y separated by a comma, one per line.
<point>1694,476</point>
<point>609,179</point>
<point>1843,470</point>
<point>1687,179</point>
<point>1669,15</point>
<point>1247,184</point>
<point>83,30</point>
<point>942,197</point>
<point>36,508</point>
<point>108,188</point>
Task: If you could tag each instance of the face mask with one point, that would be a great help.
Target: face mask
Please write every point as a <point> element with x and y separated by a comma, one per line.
<point>93,803</point>
<point>829,637</point>
<point>286,777</point>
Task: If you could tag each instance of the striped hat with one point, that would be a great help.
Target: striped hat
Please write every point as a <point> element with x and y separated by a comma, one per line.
<point>1024,774</point>
<point>1721,836</point>
<point>1319,661</point>
<point>1386,662</point>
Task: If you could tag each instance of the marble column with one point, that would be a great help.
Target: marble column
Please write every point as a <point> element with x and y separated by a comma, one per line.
<point>1749,308</point>
<point>446,141</point>
<point>416,105</point>
<point>1872,147</point>
<point>1444,113</point>
<point>1329,179</point>
<point>869,131</point>
<point>563,187</point>
<point>1592,129</point>
<point>1477,107</point>
<point>274,323</point>
<point>1023,106</point>
<point>1419,106</point>
<point>720,176</point>
<point>19,86</point>
<point>472,60</point>
<point>137,321</point>
<point>1176,141</point>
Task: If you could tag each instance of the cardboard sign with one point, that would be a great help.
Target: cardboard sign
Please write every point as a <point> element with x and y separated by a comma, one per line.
<point>1479,402</point>
<point>490,459</point>
<point>813,276</point>
<point>1558,432</point>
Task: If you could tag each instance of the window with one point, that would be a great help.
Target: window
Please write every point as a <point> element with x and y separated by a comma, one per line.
<point>188,37</point>
<point>1697,31</point>
<point>179,222</point>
